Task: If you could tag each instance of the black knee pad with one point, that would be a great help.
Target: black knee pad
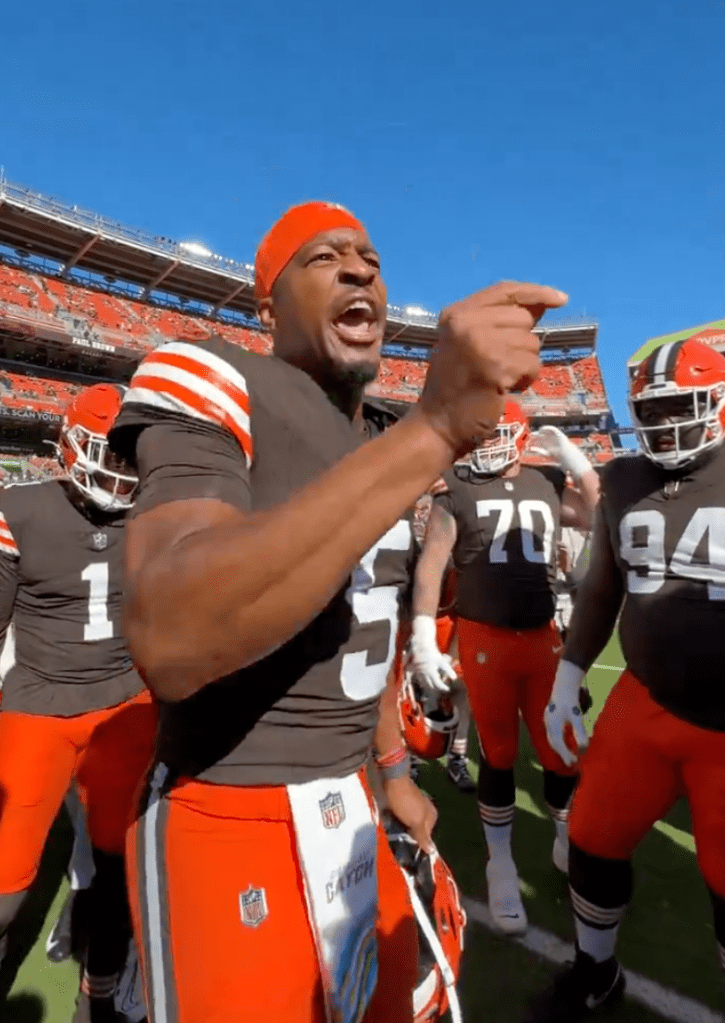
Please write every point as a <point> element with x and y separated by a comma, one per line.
<point>603,882</point>
<point>496,788</point>
<point>558,789</point>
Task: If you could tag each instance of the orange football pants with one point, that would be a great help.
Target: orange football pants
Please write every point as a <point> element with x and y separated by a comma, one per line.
<point>445,631</point>
<point>107,751</point>
<point>640,760</point>
<point>506,673</point>
<point>190,857</point>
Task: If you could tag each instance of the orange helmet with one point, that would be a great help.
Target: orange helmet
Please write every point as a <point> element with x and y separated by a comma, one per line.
<point>507,447</point>
<point>99,474</point>
<point>428,722</point>
<point>690,377</point>
<point>441,923</point>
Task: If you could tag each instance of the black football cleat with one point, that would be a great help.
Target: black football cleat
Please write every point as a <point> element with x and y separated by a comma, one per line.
<point>69,934</point>
<point>59,945</point>
<point>583,987</point>
<point>457,769</point>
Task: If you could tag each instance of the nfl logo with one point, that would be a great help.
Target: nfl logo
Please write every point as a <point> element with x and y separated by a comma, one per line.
<point>253,906</point>
<point>332,809</point>
<point>100,541</point>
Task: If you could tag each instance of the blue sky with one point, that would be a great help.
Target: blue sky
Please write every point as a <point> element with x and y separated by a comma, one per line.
<point>577,144</point>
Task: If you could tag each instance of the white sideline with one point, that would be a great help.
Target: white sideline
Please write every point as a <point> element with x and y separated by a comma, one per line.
<point>608,667</point>
<point>669,1004</point>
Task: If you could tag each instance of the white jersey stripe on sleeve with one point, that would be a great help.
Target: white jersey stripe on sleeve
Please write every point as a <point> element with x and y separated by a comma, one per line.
<point>7,540</point>
<point>166,402</point>
<point>203,388</point>
<point>201,355</point>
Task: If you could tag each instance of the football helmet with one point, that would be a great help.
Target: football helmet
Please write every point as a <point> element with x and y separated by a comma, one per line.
<point>691,376</point>
<point>428,720</point>
<point>441,923</point>
<point>101,476</point>
<point>506,448</point>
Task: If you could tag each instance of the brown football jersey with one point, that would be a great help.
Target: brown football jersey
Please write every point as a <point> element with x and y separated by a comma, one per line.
<point>61,573</point>
<point>213,420</point>
<point>667,535</point>
<point>505,551</point>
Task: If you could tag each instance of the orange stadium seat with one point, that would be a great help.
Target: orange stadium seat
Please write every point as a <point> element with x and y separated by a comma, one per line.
<point>562,388</point>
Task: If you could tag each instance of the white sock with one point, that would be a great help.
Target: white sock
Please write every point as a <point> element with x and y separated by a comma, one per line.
<point>600,945</point>
<point>562,831</point>
<point>596,926</point>
<point>498,841</point>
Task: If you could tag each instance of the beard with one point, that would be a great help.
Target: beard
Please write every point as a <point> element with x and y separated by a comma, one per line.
<point>353,378</point>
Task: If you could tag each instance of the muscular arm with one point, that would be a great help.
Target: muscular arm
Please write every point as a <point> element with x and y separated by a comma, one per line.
<point>210,589</point>
<point>388,734</point>
<point>440,539</point>
<point>598,601</point>
<point>8,591</point>
<point>578,502</point>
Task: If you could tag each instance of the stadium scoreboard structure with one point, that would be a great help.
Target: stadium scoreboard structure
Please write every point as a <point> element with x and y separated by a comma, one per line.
<point>712,333</point>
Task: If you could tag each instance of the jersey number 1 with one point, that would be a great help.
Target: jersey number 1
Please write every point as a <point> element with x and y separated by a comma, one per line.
<point>99,625</point>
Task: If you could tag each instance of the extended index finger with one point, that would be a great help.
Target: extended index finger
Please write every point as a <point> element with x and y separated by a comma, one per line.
<point>532,296</point>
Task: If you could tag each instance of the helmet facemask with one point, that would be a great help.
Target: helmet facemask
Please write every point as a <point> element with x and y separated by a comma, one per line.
<point>100,475</point>
<point>504,450</point>
<point>692,409</point>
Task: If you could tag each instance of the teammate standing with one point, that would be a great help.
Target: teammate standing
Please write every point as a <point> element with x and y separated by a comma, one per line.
<point>500,520</point>
<point>73,706</point>
<point>265,559</point>
<point>658,558</point>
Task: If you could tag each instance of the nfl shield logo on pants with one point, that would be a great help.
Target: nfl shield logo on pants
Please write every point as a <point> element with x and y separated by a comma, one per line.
<point>333,810</point>
<point>253,906</point>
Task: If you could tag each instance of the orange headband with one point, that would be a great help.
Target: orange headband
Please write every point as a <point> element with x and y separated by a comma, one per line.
<point>294,229</point>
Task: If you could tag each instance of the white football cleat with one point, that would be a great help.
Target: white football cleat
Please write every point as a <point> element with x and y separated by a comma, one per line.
<point>504,897</point>
<point>560,855</point>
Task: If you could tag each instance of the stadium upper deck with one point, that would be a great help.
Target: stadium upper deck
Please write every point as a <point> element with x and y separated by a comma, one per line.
<point>82,298</point>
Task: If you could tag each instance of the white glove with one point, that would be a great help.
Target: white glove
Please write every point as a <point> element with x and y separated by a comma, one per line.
<point>549,440</point>
<point>563,709</point>
<point>429,665</point>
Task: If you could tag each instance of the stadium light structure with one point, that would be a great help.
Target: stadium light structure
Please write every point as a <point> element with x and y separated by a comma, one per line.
<point>196,249</point>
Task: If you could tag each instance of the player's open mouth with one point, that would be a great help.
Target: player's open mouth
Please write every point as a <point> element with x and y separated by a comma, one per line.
<point>358,323</point>
<point>664,443</point>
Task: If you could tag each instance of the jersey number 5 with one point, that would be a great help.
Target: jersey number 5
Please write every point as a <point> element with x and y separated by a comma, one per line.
<point>373,604</point>
<point>644,550</point>
<point>99,625</point>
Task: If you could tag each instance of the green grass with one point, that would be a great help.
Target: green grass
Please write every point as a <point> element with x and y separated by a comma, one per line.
<point>667,934</point>
<point>41,992</point>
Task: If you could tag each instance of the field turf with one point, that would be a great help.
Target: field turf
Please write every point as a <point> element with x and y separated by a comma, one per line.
<point>667,934</point>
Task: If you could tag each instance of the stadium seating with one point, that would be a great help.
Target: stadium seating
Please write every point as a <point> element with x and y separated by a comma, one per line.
<point>121,322</point>
<point>19,391</point>
<point>29,301</point>
<point>399,379</point>
<point>567,388</point>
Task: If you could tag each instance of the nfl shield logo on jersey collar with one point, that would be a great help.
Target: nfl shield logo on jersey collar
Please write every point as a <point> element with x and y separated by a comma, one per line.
<point>253,906</point>
<point>100,541</point>
<point>332,809</point>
